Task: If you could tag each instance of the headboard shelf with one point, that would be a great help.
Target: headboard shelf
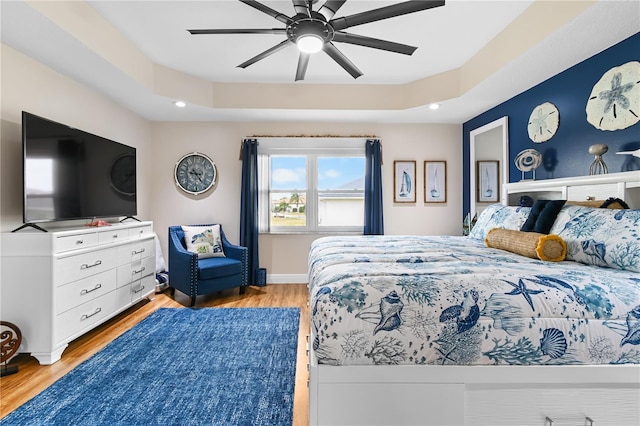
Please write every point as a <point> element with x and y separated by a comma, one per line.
<point>624,185</point>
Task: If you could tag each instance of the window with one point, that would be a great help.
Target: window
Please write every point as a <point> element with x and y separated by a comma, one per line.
<point>311,186</point>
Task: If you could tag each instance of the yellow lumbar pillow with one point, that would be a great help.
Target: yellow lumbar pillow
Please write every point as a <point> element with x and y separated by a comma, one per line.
<point>531,244</point>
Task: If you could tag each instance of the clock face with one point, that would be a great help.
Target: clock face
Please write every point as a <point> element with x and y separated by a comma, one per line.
<point>195,173</point>
<point>614,102</point>
<point>123,174</point>
<point>543,122</point>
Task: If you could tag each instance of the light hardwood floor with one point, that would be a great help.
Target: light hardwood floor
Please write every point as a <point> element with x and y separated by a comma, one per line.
<point>32,377</point>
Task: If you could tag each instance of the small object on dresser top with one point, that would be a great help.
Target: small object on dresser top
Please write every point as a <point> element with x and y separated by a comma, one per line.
<point>99,223</point>
<point>598,166</point>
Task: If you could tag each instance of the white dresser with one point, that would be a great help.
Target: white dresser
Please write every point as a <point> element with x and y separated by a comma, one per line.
<point>57,285</point>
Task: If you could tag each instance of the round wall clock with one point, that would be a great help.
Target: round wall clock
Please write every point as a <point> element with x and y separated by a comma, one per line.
<point>614,102</point>
<point>195,173</point>
<point>123,174</point>
<point>543,122</point>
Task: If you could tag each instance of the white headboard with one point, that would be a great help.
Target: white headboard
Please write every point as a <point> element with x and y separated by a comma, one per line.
<point>625,185</point>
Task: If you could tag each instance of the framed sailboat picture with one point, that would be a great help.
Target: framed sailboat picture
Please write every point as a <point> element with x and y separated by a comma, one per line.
<point>404,182</point>
<point>487,181</point>
<point>435,181</point>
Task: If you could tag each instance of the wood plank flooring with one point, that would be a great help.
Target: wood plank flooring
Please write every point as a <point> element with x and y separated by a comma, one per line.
<point>32,377</point>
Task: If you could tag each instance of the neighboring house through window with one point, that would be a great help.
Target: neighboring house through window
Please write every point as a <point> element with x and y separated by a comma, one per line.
<point>311,184</point>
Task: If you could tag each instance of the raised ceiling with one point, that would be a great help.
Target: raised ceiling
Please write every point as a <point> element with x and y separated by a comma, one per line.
<point>471,56</point>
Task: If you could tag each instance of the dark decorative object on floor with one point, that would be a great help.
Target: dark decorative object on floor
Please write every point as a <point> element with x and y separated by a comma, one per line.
<point>10,340</point>
<point>213,366</point>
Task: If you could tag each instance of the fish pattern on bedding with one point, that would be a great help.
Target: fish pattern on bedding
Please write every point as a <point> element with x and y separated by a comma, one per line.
<point>451,300</point>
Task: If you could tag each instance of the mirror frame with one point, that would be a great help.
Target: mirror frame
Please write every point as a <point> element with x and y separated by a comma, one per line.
<point>504,169</point>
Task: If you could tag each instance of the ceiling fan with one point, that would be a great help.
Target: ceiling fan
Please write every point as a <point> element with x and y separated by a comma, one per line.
<point>313,31</point>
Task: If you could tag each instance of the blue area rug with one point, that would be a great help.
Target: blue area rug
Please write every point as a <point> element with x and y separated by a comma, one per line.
<point>209,366</point>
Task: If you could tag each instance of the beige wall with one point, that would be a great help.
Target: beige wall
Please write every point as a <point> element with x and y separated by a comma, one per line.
<point>28,85</point>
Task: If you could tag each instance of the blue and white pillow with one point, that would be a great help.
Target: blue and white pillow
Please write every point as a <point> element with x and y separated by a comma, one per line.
<point>204,240</point>
<point>499,216</point>
<point>601,237</point>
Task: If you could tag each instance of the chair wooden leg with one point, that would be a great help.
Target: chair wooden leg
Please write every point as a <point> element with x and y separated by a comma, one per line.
<point>242,289</point>
<point>193,300</point>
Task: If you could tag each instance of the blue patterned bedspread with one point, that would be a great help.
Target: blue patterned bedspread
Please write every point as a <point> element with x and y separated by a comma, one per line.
<point>451,300</point>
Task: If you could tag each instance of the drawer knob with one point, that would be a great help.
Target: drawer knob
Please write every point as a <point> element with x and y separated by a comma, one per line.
<point>87,266</point>
<point>80,242</point>
<point>139,290</point>
<point>87,291</point>
<point>138,271</point>
<point>138,251</point>
<point>86,316</point>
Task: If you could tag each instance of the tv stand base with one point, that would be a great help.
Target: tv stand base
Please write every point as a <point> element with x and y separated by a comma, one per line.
<point>32,225</point>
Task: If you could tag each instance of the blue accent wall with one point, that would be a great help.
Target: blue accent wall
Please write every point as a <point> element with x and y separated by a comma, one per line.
<point>566,153</point>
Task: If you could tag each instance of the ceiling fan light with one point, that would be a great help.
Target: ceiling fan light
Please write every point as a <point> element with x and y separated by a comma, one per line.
<point>309,43</point>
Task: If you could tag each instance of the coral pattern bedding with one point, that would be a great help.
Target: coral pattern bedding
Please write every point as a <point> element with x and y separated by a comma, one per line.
<point>452,300</point>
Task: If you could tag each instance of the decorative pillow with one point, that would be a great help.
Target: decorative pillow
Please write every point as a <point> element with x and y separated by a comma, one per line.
<point>530,244</point>
<point>542,215</point>
<point>204,240</point>
<point>499,216</point>
<point>601,237</point>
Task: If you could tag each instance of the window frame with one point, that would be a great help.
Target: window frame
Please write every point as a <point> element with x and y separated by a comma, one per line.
<point>311,149</point>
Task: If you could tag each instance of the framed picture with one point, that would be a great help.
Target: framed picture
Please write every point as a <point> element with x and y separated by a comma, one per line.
<point>487,182</point>
<point>435,181</point>
<point>404,182</point>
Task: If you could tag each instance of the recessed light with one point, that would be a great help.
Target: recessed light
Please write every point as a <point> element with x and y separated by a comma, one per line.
<point>180,104</point>
<point>434,107</point>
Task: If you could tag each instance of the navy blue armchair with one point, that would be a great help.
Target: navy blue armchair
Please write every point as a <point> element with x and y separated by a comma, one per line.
<point>194,276</point>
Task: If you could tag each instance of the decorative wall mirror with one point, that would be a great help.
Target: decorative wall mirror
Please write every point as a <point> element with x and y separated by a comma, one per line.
<point>488,143</point>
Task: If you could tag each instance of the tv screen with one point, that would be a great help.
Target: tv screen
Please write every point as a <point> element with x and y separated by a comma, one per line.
<point>72,174</point>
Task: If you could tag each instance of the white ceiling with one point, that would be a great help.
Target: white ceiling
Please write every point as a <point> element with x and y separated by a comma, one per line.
<point>446,37</point>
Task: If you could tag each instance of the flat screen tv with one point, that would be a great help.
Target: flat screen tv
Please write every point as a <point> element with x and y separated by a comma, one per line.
<point>71,174</point>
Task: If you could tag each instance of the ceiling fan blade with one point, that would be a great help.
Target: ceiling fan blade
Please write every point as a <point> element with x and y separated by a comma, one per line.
<point>383,13</point>
<point>266,9</point>
<point>241,31</point>
<point>330,7</point>
<point>342,60</point>
<point>303,61</point>
<point>266,53</point>
<point>301,7</point>
<point>374,43</point>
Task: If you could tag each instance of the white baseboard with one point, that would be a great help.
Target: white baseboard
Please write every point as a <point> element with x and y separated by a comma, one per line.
<point>287,278</point>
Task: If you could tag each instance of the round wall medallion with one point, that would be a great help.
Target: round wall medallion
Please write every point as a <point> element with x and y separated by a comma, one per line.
<point>195,173</point>
<point>543,122</point>
<point>614,102</point>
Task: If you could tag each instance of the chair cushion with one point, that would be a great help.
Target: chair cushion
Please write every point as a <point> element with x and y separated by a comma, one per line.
<point>203,240</point>
<point>218,267</point>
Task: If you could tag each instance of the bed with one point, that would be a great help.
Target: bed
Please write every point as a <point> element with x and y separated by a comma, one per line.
<point>447,331</point>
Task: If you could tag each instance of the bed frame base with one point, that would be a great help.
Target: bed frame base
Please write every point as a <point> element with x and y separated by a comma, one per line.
<point>473,395</point>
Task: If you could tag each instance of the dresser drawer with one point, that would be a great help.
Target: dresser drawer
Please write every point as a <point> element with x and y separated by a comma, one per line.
<point>74,268</point>
<point>593,192</point>
<point>113,236</point>
<point>142,287</point>
<point>135,251</point>
<point>140,231</point>
<point>81,317</point>
<point>136,270</point>
<point>81,291</point>
<point>75,242</point>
